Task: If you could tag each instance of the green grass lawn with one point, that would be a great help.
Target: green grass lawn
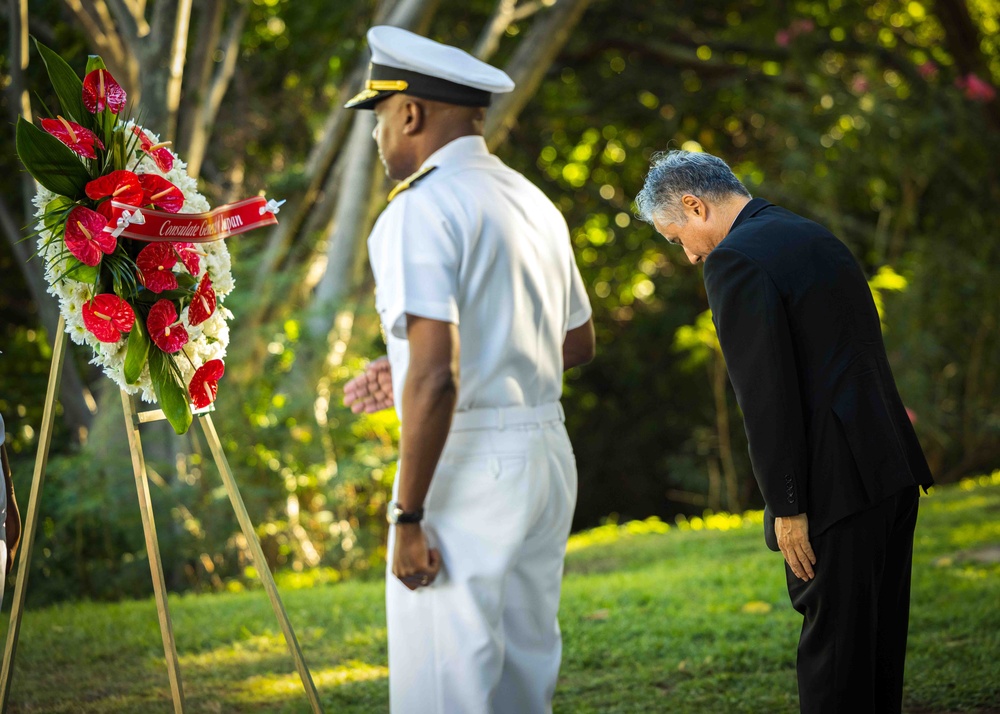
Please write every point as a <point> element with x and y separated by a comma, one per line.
<point>692,618</point>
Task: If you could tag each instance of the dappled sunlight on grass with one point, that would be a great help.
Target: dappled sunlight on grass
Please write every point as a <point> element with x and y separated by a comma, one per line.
<point>970,484</point>
<point>973,483</point>
<point>688,617</point>
<point>958,505</point>
<point>721,521</point>
<point>244,652</point>
<point>281,686</point>
<point>971,534</point>
<point>613,532</point>
<point>307,578</point>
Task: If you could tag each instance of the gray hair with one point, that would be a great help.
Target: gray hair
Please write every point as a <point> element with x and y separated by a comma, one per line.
<point>675,173</point>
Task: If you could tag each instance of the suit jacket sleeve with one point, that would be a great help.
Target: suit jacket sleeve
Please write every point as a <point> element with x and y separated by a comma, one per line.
<point>754,333</point>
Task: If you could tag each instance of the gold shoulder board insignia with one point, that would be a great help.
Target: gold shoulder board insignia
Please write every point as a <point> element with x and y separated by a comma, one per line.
<point>409,181</point>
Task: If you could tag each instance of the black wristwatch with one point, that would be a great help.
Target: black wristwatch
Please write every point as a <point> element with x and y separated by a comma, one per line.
<point>396,515</point>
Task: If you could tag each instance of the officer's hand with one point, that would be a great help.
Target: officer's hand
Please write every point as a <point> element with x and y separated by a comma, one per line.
<point>793,541</point>
<point>413,562</point>
<point>370,391</point>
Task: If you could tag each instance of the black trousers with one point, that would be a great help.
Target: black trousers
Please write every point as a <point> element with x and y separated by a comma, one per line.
<point>856,611</point>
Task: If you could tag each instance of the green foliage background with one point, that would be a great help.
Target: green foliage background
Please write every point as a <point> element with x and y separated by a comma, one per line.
<point>844,122</point>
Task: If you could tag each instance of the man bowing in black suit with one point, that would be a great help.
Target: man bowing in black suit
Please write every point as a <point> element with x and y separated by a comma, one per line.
<point>832,447</point>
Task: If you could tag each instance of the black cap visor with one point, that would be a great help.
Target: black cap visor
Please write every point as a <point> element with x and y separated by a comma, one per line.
<point>417,85</point>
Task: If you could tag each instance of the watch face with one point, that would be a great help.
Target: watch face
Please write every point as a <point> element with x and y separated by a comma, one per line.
<point>393,512</point>
<point>396,515</point>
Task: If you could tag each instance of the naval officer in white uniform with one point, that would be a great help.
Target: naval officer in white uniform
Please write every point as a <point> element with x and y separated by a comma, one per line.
<point>483,309</point>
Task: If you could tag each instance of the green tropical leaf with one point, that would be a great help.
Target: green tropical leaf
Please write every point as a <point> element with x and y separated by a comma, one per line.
<point>171,395</point>
<point>148,296</point>
<point>80,271</point>
<point>49,161</point>
<point>56,212</point>
<point>138,351</point>
<point>68,87</point>
<point>95,62</point>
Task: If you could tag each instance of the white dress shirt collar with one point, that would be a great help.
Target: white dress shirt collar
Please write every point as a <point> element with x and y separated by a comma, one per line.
<point>473,145</point>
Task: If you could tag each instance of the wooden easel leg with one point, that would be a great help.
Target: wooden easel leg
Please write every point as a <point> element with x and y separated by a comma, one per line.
<point>31,519</point>
<point>153,551</point>
<point>208,427</point>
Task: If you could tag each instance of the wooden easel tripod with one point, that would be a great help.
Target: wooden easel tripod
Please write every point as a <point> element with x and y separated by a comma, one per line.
<point>132,421</point>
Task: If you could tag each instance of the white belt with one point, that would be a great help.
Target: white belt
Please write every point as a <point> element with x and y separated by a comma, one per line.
<point>506,416</point>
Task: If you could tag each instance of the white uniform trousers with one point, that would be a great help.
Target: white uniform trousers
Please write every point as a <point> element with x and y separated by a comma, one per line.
<point>484,637</point>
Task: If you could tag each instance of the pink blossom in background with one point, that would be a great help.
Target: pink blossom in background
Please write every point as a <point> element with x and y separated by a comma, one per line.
<point>912,414</point>
<point>798,26</point>
<point>859,84</point>
<point>976,89</point>
<point>927,70</point>
<point>801,26</point>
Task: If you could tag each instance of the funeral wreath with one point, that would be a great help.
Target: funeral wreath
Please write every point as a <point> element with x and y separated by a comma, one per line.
<point>130,248</point>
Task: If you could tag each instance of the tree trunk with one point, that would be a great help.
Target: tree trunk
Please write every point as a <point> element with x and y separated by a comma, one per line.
<point>74,395</point>
<point>533,58</point>
<point>300,209</point>
<point>161,66</point>
<point>528,66</point>
<point>154,55</point>
<point>199,121</point>
<point>964,43</point>
<point>352,213</point>
<point>409,14</point>
<point>505,13</point>
<point>97,19</point>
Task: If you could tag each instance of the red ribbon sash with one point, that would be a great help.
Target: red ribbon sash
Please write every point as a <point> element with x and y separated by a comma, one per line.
<point>222,222</point>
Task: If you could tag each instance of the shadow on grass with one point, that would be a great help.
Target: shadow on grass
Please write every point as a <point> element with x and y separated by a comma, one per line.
<point>226,679</point>
<point>689,621</point>
<point>88,657</point>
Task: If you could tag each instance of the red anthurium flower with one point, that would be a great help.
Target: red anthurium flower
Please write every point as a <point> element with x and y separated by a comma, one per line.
<point>80,140</point>
<point>164,328</point>
<point>155,262</point>
<point>85,235</point>
<point>122,186</point>
<point>100,90</point>
<point>205,383</point>
<point>107,316</point>
<point>163,158</point>
<point>161,193</point>
<point>203,302</point>
<point>189,254</point>
<point>104,208</point>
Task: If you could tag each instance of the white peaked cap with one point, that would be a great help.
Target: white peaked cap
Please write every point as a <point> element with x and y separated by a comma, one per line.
<point>406,62</point>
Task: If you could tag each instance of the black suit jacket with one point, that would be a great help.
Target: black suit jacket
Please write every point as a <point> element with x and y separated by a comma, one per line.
<point>828,433</point>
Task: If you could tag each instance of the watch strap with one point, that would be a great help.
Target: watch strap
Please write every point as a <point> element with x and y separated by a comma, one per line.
<point>396,515</point>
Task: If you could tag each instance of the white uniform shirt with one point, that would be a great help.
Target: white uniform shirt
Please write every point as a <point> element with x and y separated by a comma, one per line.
<point>476,244</point>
